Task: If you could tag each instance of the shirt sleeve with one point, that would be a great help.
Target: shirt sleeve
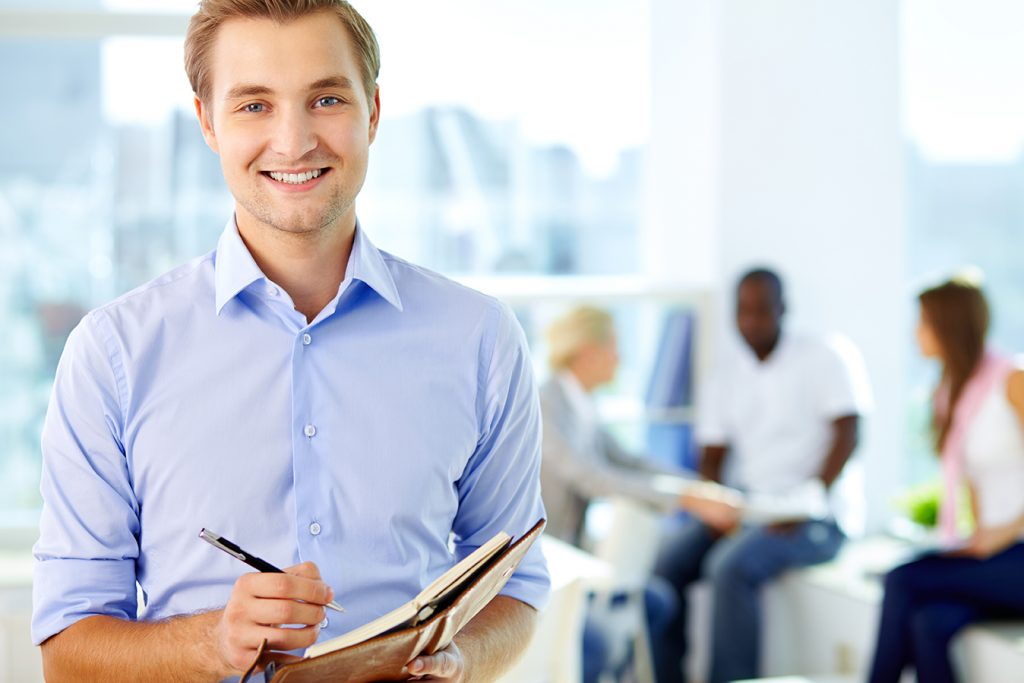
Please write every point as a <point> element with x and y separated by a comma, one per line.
<point>86,552</point>
<point>597,477</point>
<point>842,381</point>
<point>638,463</point>
<point>500,487</point>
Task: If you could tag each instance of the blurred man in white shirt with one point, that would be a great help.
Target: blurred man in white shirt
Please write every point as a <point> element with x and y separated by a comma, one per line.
<point>778,421</point>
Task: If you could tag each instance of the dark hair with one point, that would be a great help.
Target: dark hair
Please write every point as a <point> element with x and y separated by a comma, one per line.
<point>763,275</point>
<point>958,314</point>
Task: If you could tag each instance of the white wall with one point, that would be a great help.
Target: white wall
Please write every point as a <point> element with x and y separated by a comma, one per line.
<point>684,150</point>
<point>778,126</point>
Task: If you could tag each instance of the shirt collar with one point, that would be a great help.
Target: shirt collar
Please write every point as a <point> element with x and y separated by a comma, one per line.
<point>366,264</point>
<point>236,269</point>
<point>776,356</point>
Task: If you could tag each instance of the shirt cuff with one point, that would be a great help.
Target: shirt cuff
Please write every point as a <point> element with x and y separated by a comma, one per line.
<point>65,591</point>
<point>530,583</point>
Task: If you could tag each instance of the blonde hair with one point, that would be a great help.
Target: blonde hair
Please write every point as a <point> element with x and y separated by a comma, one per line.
<point>568,334</point>
<point>202,31</point>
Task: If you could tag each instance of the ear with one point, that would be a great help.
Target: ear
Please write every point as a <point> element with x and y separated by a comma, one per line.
<point>374,114</point>
<point>206,124</point>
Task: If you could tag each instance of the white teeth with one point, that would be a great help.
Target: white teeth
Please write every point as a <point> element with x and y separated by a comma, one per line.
<point>294,178</point>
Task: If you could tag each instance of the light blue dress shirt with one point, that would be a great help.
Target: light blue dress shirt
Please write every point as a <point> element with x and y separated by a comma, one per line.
<point>383,441</point>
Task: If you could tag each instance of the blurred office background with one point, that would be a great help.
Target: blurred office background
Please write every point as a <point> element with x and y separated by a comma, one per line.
<point>634,154</point>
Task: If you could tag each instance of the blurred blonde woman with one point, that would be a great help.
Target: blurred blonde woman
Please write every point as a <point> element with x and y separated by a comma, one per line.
<point>979,434</point>
<point>582,461</point>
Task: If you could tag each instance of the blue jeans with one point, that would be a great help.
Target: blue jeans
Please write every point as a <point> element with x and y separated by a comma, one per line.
<point>660,608</point>
<point>737,566</point>
<point>929,600</point>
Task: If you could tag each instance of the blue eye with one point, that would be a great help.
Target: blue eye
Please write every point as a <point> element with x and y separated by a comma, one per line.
<point>253,108</point>
<point>327,101</point>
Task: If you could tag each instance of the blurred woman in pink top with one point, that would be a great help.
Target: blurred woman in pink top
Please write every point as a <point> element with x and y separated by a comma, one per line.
<point>979,434</point>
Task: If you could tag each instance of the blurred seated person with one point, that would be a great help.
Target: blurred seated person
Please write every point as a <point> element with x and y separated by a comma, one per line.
<point>979,434</point>
<point>583,461</point>
<point>778,420</point>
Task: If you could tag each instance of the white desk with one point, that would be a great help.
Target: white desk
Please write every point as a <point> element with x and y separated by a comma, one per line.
<point>554,654</point>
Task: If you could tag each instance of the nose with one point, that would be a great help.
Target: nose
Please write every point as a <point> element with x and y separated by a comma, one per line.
<point>294,134</point>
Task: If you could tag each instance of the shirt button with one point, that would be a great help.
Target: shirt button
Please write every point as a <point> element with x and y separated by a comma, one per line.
<point>272,290</point>
<point>314,529</point>
<point>325,622</point>
<point>306,339</point>
<point>309,431</point>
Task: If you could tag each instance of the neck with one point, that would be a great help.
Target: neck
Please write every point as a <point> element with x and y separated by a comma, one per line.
<point>310,266</point>
<point>763,352</point>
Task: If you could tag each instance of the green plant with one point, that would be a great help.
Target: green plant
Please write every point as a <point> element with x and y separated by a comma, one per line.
<point>921,503</point>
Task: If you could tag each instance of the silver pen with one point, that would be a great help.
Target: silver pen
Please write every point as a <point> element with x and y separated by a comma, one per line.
<point>230,548</point>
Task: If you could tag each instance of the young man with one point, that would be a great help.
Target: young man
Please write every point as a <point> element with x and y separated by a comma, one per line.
<point>318,401</point>
<point>779,421</point>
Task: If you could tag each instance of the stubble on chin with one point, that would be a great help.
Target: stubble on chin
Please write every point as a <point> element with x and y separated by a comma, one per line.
<point>307,221</point>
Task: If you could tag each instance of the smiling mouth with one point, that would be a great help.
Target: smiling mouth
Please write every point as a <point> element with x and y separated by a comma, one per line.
<point>295,178</point>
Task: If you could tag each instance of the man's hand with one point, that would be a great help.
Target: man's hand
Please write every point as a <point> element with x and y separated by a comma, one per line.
<point>260,606</point>
<point>444,665</point>
<point>718,513</point>
<point>784,528</point>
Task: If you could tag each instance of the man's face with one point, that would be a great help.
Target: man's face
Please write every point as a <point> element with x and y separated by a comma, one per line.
<point>758,313</point>
<point>289,117</point>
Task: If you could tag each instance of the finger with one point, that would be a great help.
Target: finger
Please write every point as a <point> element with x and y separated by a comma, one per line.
<point>725,525</point>
<point>441,664</point>
<point>289,638</point>
<point>285,587</point>
<point>274,611</point>
<point>306,569</point>
<point>284,658</point>
<point>242,641</point>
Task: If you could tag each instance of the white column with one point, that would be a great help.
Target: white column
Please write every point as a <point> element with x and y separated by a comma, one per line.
<point>788,152</point>
<point>682,160</point>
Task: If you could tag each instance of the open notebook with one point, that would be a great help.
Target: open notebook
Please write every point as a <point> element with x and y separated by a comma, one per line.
<point>380,649</point>
<point>424,605</point>
<point>806,501</point>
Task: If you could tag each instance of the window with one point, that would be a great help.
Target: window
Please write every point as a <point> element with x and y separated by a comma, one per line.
<point>964,117</point>
<point>502,150</point>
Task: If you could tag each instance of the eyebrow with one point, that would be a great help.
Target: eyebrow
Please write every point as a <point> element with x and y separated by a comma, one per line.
<point>332,82</point>
<point>240,91</point>
<point>246,90</point>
